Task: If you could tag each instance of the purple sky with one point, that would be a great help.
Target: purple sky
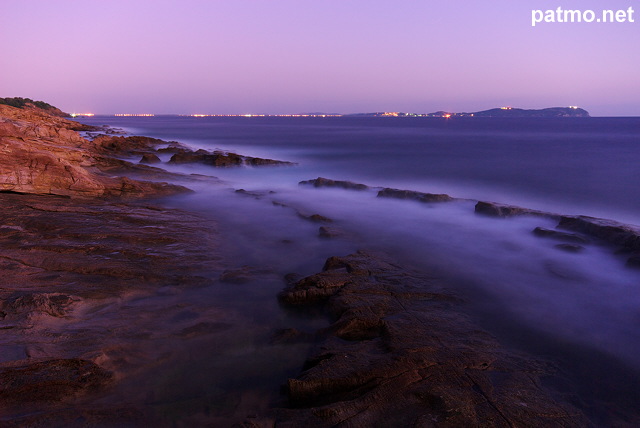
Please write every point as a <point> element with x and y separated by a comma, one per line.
<point>291,56</point>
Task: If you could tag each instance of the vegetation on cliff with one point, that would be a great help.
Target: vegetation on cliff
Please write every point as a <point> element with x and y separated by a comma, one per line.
<point>20,102</point>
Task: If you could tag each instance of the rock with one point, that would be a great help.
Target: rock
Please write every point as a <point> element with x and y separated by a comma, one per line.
<point>220,159</point>
<point>51,380</point>
<point>41,155</point>
<point>570,248</point>
<point>243,274</point>
<point>562,236</point>
<point>150,158</point>
<point>325,182</point>
<point>416,196</point>
<point>124,146</point>
<point>329,232</point>
<point>316,218</point>
<point>52,304</point>
<point>290,336</point>
<point>398,354</point>
<point>634,261</point>
<point>624,235</point>
<point>501,210</point>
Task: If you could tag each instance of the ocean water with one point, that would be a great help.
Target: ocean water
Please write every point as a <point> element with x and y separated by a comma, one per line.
<point>580,308</point>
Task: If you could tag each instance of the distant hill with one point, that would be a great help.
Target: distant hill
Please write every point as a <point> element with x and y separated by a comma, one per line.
<point>19,102</point>
<point>545,112</point>
<point>495,112</point>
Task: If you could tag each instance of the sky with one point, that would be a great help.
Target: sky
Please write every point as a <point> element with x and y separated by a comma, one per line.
<point>295,56</point>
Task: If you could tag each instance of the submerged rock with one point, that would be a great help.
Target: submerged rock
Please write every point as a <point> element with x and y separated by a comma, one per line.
<point>494,209</point>
<point>413,195</point>
<point>624,235</point>
<point>562,236</point>
<point>220,159</point>
<point>52,380</point>
<point>326,182</point>
<point>570,248</point>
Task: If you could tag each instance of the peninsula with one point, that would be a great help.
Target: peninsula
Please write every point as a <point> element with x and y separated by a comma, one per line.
<point>503,112</point>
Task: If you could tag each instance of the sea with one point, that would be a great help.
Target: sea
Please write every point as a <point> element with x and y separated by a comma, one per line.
<point>580,309</point>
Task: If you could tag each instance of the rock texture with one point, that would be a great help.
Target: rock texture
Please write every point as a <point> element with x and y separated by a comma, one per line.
<point>43,154</point>
<point>416,196</point>
<point>326,182</point>
<point>399,353</point>
<point>494,209</point>
<point>220,159</point>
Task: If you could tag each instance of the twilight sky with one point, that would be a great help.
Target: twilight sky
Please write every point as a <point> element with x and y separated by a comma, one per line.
<point>292,56</point>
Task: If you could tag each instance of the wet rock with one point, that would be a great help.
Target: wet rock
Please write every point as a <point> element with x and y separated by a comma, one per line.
<point>501,210</point>
<point>204,328</point>
<point>150,158</point>
<point>570,248</point>
<point>290,336</point>
<point>562,236</point>
<point>416,196</point>
<point>624,235</point>
<point>329,232</point>
<point>51,380</point>
<point>220,159</point>
<point>123,146</point>
<point>398,354</point>
<point>242,274</point>
<point>316,218</point>
<point>634,261</point>
<point>256,195</point>
<point>52,304</point>
<point>326,182</point>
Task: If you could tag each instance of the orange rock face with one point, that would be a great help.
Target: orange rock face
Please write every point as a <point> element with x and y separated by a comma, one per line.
<point>42,154</point>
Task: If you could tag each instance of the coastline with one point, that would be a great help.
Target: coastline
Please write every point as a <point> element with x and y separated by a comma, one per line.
<point>325,394</point>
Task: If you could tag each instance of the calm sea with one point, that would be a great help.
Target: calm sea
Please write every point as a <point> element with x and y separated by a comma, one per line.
<point>572,165</point>
<point>583,308</point>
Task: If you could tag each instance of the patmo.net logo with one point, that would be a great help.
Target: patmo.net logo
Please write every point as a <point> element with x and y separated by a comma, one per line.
<point>561,15</point>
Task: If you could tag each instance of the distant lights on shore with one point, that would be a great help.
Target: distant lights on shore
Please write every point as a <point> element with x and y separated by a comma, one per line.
<point>134,115</point>
<point>82,114</point>
<point>574,107</point>
<point>263,115</point>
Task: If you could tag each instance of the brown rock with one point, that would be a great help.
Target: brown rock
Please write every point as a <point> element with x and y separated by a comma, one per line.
<point>51,380</point>
<point>494,209</point>
<point>326,182</point>
<point>41,155</point>
<point>150,158</point>
<point>400,355</point>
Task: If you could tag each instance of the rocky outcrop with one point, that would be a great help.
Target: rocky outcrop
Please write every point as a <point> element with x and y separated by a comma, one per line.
<point>610,231</point>
<point>51,380</point>
<point>559,235</point>
<point>41,154</point>
<point>413,195</point>
<point>494,209</point>
<point>398,353</point>
<point>326,182</point>
<point>220,159</point>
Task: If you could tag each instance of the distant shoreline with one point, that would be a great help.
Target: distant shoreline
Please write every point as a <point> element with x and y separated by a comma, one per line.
<point>500,112</point>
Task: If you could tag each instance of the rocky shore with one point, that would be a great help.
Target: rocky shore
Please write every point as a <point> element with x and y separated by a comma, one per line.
<point>91,260</point>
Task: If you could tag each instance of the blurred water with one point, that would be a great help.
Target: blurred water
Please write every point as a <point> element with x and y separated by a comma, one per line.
<point>510,277</point>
